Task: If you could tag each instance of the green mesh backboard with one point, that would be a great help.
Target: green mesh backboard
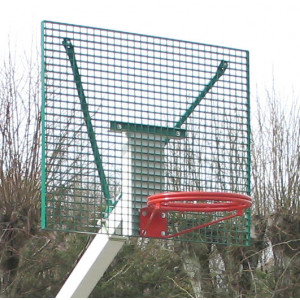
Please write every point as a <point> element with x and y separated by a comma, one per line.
<point>126,116</point>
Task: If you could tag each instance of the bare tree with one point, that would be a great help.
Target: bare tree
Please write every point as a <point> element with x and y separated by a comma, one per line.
<point>276,188</point>
<point>212,270</point>
<point>275,231</point>
<point>19,162</point>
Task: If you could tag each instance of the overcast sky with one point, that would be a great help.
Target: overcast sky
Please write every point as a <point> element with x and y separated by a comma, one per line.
<point>270,30</point>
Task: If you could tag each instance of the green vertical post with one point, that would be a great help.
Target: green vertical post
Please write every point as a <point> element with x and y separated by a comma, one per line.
<point>43,192</point>
<point>248,213</point>
<point>248,127</point>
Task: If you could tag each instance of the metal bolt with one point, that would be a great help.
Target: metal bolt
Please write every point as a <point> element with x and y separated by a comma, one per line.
<point>163,215</point>
<point>163,233</point>
<point>144,213</point>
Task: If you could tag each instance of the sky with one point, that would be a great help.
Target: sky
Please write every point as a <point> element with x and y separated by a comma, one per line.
<point>268,29</point>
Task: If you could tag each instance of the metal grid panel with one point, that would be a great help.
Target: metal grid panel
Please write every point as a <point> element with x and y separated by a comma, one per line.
<point>114,131</point>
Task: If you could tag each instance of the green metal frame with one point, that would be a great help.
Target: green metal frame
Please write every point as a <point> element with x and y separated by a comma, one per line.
<point>43,158</point>
<point>164,131</point>
<point>102,89</point>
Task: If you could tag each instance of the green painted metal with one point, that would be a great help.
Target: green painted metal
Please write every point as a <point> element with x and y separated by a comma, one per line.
<point>85,110</point>
<point>44,176</point>
<point>108,112</point>
<point>220,71</point>
<point>163,131</point>
<point>248,126</point>
<point>248,213</point>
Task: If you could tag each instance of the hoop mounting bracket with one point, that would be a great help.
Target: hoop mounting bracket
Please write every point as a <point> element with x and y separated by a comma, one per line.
<point>153,222</point>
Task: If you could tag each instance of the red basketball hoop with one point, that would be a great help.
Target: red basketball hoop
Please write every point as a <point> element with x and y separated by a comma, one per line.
<point>153,219</point>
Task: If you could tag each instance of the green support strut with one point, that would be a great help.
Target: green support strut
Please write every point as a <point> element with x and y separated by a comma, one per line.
<point>220,71</point>
<point>87,118</point>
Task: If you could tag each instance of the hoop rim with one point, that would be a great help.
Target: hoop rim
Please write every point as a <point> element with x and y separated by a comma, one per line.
<point>200,201</point>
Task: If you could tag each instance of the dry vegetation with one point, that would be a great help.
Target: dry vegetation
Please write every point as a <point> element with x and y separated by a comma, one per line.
<point>34,263</point>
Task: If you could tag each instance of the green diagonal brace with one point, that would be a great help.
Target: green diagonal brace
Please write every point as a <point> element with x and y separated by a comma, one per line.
<point>84,107</point>
<point>220,71</point>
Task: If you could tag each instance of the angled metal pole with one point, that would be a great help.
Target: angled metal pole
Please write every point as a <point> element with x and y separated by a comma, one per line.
<point>220,71</point>
<point>87,118</point>
<point>91,267</point>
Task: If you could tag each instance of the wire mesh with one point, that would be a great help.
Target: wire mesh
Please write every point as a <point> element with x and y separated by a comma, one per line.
<point>112,136</point>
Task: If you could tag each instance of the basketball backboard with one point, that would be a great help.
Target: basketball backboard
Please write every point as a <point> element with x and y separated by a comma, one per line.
<point>126,116</point>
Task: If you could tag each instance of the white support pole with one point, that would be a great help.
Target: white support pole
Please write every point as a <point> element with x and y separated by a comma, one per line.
<point>127,192</point>
<point>142,174</point>
<point>105,246</point>
<point>91,266</point>
<point>96,259</point>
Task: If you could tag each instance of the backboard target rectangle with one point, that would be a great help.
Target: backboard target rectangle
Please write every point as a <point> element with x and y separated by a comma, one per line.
<point>130,92</point>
